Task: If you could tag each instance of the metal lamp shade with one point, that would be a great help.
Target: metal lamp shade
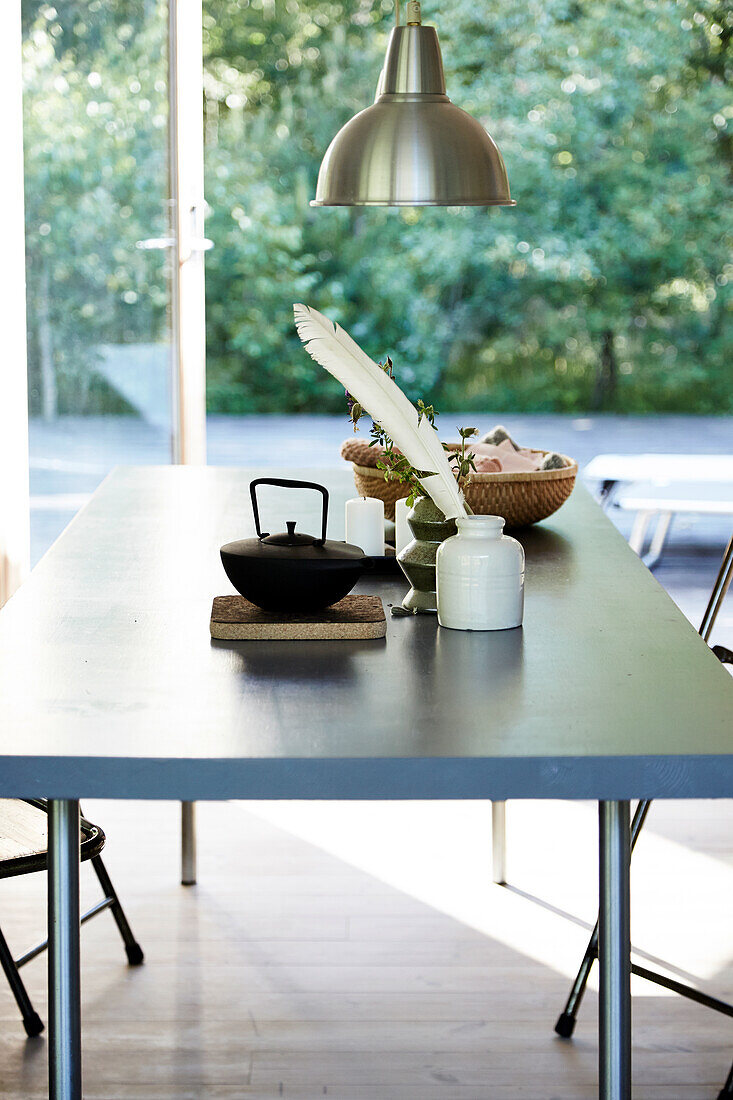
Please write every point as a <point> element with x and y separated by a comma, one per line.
<point>413,147</point>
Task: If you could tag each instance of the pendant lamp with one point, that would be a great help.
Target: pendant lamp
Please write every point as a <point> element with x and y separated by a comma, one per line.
<point>412,147</point>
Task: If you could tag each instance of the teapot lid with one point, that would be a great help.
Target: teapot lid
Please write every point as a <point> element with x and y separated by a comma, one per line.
<point>293,546</point>
<point>290,538</point>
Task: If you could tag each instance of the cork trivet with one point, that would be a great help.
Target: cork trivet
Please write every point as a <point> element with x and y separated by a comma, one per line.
<point>235,619</point>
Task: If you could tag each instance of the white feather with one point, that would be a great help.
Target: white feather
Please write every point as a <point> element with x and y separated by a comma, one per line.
<point>382,398</point>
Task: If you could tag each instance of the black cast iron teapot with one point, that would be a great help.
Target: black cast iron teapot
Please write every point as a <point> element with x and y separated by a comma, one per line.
<point>292,572</point>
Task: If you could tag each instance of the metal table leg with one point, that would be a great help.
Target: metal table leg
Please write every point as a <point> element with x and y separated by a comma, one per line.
<point>188,843</point>
<point>64,977</point>
<point>614,953</point>
<point>498,842</point>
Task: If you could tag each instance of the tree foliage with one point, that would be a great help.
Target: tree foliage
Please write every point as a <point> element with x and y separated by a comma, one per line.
<point>95,120</point>
<point>608,286</point>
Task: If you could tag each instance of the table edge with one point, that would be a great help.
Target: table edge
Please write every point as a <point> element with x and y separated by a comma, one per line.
<point>369,778</point>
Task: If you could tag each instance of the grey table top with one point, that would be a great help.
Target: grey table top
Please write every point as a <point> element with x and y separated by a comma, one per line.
<point>110,685</point>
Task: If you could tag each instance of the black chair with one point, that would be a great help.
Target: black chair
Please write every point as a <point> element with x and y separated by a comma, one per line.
<point>566,1021</point>
<point>23,850</point>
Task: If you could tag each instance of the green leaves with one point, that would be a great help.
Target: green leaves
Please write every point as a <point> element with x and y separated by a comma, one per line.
<point>426,411</point>
<point>462,460</point>
<point>614,125</point>
<point>96,182</point>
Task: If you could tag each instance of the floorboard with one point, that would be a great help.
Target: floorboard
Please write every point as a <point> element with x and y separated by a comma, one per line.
<point>361,952</point>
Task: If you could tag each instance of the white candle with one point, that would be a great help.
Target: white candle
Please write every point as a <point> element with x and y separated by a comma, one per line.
<point>402,532</point>
<point>365,525</point>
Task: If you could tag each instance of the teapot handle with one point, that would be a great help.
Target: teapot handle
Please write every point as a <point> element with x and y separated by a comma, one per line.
<point>286,483</point>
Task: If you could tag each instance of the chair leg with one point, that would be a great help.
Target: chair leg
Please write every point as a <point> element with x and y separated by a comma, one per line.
<point>637,537</point>
<point>659,538</point>
<point>133,949</point>
<point>32,1022</point>
<point>565,1024</point>
<point>720,588</point>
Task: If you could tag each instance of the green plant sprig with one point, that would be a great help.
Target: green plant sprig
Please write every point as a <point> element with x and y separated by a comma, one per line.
<point>465,461</point>
<point>394,464</point>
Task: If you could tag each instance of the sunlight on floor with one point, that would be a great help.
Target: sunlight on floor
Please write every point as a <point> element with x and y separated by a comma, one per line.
<point>360,951</point>
<point>431,851</point>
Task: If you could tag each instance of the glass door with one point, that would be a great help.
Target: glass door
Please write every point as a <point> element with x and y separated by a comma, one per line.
<point>114,240</point>
<point>14,546</point>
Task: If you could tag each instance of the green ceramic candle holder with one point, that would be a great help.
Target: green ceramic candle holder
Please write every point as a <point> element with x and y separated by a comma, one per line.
<point>417,559</point>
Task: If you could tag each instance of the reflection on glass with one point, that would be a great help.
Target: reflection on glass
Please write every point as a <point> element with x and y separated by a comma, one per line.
<point>95,119</point>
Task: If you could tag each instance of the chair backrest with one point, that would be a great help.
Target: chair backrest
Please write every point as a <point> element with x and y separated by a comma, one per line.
<point>720,588</point>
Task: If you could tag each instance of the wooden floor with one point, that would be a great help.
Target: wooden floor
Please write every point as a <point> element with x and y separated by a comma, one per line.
<point>360,952</point>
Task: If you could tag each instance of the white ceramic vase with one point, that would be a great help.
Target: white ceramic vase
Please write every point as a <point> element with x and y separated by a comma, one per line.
<point>480,577</point>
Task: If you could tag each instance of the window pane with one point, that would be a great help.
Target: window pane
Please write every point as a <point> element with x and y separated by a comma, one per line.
<point>95,118</point>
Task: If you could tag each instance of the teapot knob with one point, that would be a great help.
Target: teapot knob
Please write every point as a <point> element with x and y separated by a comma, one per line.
<point>290,524</point>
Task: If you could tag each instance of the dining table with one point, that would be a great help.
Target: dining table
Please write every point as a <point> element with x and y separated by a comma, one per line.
<point>112,687</point>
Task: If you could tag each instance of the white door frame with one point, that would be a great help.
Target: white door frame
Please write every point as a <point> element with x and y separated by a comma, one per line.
<point>14,491</point>
<point>188,371</point>
<point>186,166</point>
<point>188,302</point>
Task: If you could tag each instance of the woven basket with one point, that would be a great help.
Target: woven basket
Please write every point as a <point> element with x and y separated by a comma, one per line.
<point>370,483</point>
<point>520,498</point>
